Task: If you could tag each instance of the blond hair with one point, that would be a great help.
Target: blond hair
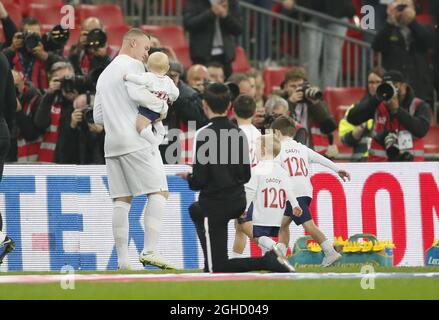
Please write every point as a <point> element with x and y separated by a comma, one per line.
<point>158,62</point>
<point>270,145</point>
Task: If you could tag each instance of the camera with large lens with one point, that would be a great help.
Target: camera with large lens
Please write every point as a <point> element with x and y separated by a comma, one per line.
<point>73,83</point>
<point>310,92</point>
<point>31,40</point>
<point>386,91</point>
<point>269,118</point>
<point>87,112</point>
<point>81,84</point>
<point>52,40</point>
<point>56,39</point>
<point>96,39</point>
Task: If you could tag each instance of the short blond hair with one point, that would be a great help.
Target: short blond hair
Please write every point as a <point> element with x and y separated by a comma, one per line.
<point>270,145</point>
<point>158,62</point>
<point>134,33</point>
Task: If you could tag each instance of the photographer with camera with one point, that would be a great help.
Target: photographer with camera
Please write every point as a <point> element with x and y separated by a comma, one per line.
<point>401,120</point>
<point>276,107</point>
<point>26,137</point>
<point>405,45</point>
<point>359,137</point>
<point>27,54</point>
<point>92,51</point>
<point>309,110</point>
<point>55,109</point>
<point>81,141</point>
<point>188,106</point>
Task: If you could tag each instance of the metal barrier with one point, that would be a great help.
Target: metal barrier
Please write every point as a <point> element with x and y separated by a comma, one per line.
<point>271,36</point>
<point>152,12</point>
<point>275,36</point>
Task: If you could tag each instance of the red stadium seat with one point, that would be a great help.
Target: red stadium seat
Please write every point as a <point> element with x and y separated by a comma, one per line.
<point>8,2</point>
<point>273,78</point>
<point>115,34</point>
<point>336,97</point>
<point>172,36</point>
<point>50,15</point>
<point>14,12</point>
<point>432,141</point>
<point>183,56</point>
<point>241,63</point>
<point>25,4</point>
<point>109,14</point>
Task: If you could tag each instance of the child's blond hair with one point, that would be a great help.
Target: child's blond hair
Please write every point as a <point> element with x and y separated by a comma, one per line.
<point>270,145</point>
<point>158,63</point>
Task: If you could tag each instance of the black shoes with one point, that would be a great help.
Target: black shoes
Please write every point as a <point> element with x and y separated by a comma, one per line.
<point>6,247</point>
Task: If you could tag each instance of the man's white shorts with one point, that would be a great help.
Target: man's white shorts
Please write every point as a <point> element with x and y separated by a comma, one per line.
<point>136,173</point>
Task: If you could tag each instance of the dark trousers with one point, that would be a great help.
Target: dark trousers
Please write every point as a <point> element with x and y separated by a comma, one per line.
<point>5,142</point>
<point>211,220</point>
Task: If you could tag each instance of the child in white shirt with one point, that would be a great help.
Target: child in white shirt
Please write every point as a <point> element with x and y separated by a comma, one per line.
<point>158,83</point>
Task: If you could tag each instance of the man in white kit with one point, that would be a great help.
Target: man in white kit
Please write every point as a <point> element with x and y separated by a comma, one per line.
<point>134,166</point>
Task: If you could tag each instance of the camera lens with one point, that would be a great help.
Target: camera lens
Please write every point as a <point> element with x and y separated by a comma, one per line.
<point>31,41</point>
<point>385,92</point>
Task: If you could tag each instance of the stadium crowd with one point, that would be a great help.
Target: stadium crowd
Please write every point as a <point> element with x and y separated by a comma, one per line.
<point>55,82</point>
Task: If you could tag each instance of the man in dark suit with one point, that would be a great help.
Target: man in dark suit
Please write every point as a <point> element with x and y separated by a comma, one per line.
<point>213,26</point>
<point>8,107</point>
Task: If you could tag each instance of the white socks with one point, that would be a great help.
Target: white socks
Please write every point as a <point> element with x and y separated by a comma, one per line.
<point>283,248</point>
<point>266,244</point>
<point>120,233</point>
<point>153,215</point>
<point>154,139</point>
<point>328,248</point>
<point>2,236</point>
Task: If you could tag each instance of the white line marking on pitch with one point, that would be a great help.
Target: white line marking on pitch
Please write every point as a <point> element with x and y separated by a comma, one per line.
<point>35,279</point>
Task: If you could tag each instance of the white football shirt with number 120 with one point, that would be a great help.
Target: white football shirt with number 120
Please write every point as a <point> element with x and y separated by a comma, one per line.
<point>252,134</point>
<point>269,189</point>
<point>295,158</point>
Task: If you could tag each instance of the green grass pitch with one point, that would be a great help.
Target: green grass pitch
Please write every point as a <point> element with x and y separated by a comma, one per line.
<point>393,288</point>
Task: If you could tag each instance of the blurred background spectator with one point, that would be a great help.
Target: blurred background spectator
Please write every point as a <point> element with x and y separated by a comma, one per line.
<point>28,55</point>
<point>359,137</point>
<point>213,26</point>
<point>55,109</point>
<point>86,56</point>
<point>314,48</point>
<point>81,141</point>
<point>307,107</point>
<point>26,136</point>
<point>402,121</point>
<point>205,42</point>
<point>405,45</point>
<point>215,72</point>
